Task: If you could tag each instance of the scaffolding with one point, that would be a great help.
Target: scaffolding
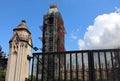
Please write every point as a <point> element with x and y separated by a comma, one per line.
<point>52,39</point>
<point>53,33</point>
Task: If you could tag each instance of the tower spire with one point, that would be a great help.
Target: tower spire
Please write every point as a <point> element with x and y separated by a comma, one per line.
<point>22,26</point>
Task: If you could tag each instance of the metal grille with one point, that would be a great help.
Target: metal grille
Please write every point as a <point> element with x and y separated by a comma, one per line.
<point>85,65</point>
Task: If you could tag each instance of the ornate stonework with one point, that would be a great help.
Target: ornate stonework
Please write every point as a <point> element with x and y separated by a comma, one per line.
<point>18,64</point>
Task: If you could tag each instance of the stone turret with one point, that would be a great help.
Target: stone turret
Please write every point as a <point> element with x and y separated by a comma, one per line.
<point>18,64</point>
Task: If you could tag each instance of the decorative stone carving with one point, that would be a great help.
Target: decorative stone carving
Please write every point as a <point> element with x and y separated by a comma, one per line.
<point>18,64</point>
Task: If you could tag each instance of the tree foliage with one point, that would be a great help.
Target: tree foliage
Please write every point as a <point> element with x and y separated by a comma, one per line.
<point>2,64</point>
<point>2,54</point>
<point>2,76</point>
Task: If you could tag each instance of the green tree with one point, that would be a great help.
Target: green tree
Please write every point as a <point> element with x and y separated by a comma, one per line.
<point>2,76</point>
<point>3,64</point>
<point>2,54</point>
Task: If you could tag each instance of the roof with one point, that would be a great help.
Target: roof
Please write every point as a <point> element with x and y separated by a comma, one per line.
<point>22,26</point>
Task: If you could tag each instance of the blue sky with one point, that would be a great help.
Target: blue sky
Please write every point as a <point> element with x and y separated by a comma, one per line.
<point>78,16</point>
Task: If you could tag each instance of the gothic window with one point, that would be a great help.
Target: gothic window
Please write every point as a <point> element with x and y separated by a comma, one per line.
<point>15,52</point>
<point>14,46</point>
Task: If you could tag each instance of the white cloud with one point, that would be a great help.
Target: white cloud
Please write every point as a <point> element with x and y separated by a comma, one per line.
<point>74,33</point>
<point>104,33</point>
<point>73,36</point>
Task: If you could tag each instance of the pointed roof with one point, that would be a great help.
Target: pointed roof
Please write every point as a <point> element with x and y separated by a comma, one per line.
<point>22,26</point>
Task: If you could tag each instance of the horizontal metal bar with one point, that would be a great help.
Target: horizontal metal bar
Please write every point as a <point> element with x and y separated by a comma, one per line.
<point>77,51</point>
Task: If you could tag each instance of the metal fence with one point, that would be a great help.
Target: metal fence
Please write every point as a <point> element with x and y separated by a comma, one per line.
<point>85,65</point>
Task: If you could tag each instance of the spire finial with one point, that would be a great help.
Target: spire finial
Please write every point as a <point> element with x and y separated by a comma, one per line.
<point>23,21</point>
<point>53,6</point>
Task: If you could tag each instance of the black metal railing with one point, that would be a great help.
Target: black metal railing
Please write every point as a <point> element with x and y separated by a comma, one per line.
<point>85,65</point>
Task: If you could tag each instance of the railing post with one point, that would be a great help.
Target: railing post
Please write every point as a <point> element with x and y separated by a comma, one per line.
<point>37,68</point>
<point>65,67</point>
<point>32,68</point>
<point>70,67</point>
<point>91,66</point>
<point>83,72</point>
<point>43,56</point>
<point>118,64</point>
<point>76,66</point>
